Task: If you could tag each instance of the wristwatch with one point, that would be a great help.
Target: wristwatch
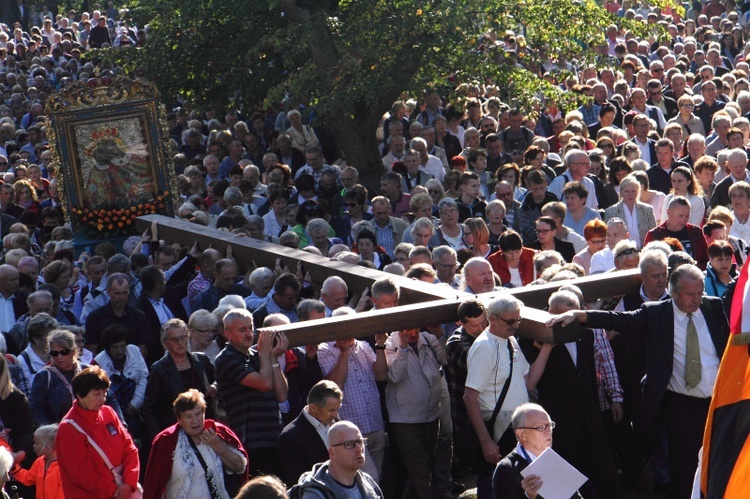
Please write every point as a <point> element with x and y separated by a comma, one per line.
<point>379,347</point>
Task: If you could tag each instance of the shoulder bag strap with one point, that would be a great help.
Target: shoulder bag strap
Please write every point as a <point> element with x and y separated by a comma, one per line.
<point>26,357</point>
<point>506,387</point>
<point>107,462</point>
<point>62,378</point>
<point>210,480</point>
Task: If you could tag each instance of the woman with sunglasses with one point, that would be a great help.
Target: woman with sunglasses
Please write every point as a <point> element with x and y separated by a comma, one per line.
<point>690,123</point>
<point>608,149</point>
<point>51,391</point>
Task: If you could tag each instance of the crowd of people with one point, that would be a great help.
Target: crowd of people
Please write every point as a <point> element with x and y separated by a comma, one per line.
<point>156,367</point>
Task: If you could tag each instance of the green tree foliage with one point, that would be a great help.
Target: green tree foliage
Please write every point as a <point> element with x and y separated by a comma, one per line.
<point>353,58</point>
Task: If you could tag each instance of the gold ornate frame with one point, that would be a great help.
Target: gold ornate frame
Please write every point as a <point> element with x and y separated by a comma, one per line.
<point>124,114</point>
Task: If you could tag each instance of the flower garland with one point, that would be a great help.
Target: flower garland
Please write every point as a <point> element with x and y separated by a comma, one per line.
<point>120,220</point>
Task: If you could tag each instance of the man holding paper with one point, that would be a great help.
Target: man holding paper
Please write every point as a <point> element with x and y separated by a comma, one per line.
<point>533,429</point>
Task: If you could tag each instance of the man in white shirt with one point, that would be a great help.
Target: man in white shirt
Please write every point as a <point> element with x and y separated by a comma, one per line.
<point>428,163</point>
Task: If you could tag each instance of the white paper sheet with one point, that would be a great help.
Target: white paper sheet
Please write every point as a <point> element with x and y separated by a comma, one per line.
<point>560,480</point>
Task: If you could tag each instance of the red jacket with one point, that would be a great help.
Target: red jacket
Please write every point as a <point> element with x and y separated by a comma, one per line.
<point>83,472</point>
<point>525,266</point>
<point>159,467</point>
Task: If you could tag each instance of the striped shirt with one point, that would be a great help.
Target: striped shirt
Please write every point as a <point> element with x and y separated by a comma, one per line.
<point>254,416</point>
<point>384,235</point>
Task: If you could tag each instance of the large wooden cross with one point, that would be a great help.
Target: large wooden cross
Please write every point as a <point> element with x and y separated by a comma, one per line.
<point>422,304</point>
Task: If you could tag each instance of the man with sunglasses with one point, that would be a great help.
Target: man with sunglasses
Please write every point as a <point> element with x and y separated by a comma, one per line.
<point>342,472</point>
<point>495,359</point>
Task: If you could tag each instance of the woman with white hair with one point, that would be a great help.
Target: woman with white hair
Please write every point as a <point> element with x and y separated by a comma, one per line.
<point>303,136</point>
<point>6,463</point>
<point>638,216</point>
<point>45,472</point>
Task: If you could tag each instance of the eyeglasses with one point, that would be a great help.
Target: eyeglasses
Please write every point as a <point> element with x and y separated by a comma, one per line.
<point>541,427</point>
<point>449,267</point>
<point>687,106</point>
<point>179,339</point>
<point>543,231</point>
<point>350,444</point>
<point>63,352</point>
<point>629,251</point>
<point>511,322</point>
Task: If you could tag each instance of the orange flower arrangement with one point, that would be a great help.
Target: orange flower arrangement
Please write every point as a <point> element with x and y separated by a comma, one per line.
<point>120,220</point>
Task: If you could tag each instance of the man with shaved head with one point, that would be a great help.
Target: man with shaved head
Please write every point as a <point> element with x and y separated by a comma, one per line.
<point>342,472</point>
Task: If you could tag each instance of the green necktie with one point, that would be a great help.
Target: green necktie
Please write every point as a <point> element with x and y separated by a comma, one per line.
<point>692,356</point>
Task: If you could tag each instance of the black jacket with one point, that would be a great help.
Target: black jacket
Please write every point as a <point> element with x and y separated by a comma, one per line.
<point>165,384</point>
<point>300,447</point>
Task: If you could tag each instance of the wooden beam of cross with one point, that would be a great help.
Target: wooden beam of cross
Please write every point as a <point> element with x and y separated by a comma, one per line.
<point>422,304</point>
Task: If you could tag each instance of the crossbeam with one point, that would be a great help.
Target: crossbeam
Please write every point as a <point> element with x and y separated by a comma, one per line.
<point>422,304</point>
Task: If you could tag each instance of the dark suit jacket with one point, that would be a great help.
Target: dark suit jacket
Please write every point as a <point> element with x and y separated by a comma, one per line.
<point>670,104</point>
<point>720,197</point>
<point>300,447</point>
<point>506,482</point>
<point>174,304</point>
<point>5,222</point>
<point>569,393</point>
<point>566,249</point>
<point>655,322</point>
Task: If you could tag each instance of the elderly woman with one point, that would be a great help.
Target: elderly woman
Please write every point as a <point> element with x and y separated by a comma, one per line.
<point>638,216</point>
<point>450,232</point>
<point>739,196</point>
<point>126,370</point>
<point>203,326</point>
<point>35,356</point>
<point>58,273</point>
<point>495,215</point>
<point>260,281</point>
<point>6,463</point>
<point>401,254</point>
<point>595,233</point>
<point>422,231</point>
<point>369,250</point>
<point>191,457</point>
<point>303,136</point>
<point>308,210</point>
<point>176,372</point>
<point>317,230</point>
<point>533,429</point>
<point>111,470</point>
<point>436,191</point>
<point>477,237</point>
<point>513,263</point>
<point>577,214</point>
<point>653,198</point>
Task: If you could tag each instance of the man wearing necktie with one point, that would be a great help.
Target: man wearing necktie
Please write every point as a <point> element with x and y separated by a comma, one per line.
<point>686,336</point>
